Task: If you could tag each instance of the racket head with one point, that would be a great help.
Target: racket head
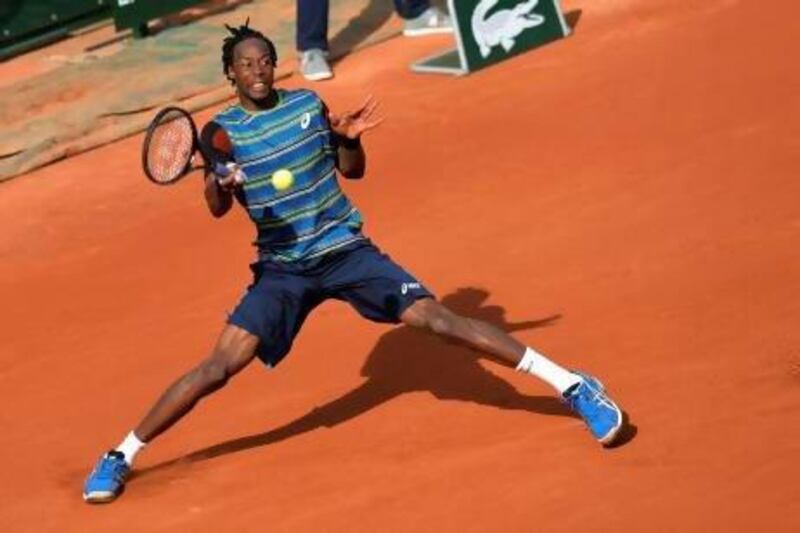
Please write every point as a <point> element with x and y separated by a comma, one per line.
<point>169,146</point>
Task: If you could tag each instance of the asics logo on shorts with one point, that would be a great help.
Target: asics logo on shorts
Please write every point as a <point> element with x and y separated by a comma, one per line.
<point>405,287</point>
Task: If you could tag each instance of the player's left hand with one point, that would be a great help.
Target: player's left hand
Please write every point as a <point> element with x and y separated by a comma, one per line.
<point>352,124</point>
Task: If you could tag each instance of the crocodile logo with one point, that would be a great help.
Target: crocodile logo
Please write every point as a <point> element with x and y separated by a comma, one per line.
<point>503,26</point>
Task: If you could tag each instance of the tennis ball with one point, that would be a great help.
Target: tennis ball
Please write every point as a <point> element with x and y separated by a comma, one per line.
<point>282,179</point>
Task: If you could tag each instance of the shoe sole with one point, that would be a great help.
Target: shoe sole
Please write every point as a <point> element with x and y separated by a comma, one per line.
<point>426,31</point>
<point>609,438</point>
<point>99,496</point>
<point>318,77</point>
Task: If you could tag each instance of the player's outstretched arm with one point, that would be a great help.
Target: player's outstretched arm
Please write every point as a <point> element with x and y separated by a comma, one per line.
<point>348,128</point>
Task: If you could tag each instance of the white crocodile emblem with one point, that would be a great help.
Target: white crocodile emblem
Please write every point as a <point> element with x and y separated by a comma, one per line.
<point>503,26</point>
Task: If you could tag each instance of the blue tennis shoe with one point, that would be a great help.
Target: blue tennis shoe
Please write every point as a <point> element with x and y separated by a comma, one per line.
<point>107,480</point>
<point>589,399</point>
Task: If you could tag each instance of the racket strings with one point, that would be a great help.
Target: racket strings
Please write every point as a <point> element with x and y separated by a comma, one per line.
<point>171,147</point>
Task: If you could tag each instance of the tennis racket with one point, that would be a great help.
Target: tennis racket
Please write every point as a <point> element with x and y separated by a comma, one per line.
<point>170,147</point>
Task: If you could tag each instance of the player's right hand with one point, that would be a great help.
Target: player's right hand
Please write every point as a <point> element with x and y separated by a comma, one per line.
<point>233,180</point>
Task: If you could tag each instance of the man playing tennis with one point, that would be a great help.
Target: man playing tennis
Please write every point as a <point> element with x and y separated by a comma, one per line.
<point>311,249</point>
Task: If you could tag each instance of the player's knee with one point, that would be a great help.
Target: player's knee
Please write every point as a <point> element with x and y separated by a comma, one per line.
<point>234,350</point>
<point>441,324</point>
<point>213,374</point>
<point>441,320</point>
<point>431,315</point>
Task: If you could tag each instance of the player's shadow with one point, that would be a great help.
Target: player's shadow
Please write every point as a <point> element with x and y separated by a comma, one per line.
<point>408,360</point>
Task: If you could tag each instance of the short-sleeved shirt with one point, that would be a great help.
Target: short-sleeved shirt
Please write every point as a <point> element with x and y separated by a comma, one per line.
<point>311,218</point>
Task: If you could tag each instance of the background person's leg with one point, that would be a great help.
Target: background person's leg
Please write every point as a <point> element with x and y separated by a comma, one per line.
<point>312,39</point>
<point>312,25</point>
<point>409,9</point>
<point>421,18</point>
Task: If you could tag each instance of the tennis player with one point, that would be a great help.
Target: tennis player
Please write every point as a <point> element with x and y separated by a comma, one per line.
<point>310,249</point>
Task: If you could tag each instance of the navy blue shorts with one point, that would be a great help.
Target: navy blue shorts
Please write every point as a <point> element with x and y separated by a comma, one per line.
<point>282,295</point>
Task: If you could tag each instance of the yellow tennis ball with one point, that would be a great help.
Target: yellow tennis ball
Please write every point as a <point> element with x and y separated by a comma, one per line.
<point>282,179</point>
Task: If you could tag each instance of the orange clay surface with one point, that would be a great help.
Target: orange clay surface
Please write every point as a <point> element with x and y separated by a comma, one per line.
<point>626,200</point>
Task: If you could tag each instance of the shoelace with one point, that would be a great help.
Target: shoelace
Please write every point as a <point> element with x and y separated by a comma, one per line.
<point>600,397</point>
<point>111,467</point>
<point>310,57</point>
<point>594,395</point>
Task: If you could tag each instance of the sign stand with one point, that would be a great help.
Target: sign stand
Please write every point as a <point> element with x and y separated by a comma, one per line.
<point>490,31</point>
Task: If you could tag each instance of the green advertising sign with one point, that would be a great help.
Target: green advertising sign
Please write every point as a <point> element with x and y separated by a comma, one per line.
<point>489,31</point>
<point>25,24</point>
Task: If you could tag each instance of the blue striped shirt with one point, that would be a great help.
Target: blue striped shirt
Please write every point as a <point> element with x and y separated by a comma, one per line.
<point>313,216</point>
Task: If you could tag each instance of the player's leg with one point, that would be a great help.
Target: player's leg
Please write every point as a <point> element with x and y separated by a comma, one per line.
<point>233,351</point>
<point>274,307</point>
<point>584,393</point>
<point>432,315</point>
<point>382,291</point>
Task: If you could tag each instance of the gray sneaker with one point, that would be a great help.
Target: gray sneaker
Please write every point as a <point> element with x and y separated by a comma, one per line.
<point>432,20</point>
<point>314,65</point>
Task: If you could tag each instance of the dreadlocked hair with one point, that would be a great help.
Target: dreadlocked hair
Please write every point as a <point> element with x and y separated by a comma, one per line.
<point>238,35</point>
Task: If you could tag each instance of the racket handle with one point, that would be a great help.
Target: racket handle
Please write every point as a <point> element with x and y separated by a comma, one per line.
<point>221,170</point>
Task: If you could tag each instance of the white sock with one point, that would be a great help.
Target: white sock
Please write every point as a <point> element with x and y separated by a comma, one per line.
<point>130,447</point>
<point>543,368</point>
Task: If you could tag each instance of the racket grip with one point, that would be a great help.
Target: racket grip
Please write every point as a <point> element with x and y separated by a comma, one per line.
<point>221,170</point>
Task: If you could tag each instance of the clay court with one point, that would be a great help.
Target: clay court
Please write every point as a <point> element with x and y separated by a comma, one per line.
<point>625,200</point>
